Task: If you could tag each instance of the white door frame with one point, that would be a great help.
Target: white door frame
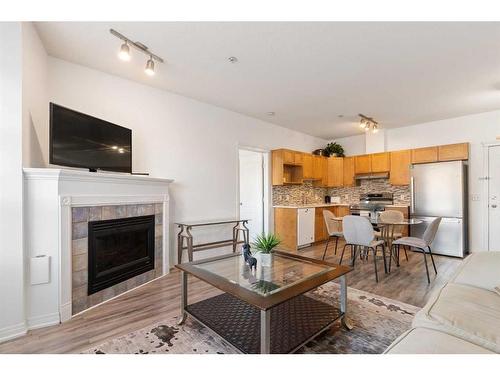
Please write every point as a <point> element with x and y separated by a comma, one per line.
<point>486,192</point>
<point>267,183</point>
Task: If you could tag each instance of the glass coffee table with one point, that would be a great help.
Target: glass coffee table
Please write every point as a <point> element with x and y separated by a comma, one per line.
<point>265,310</point>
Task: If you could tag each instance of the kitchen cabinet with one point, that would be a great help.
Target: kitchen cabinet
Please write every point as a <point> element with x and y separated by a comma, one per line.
<point>305,226</point>
<point>349,171</point>
<point>320,231</point>
<point>335,173</point>
<point>362,164</point>
<point>380,162</point>
<point>400,167</point>
<point>283,172</point>
<point>285,227</point>
<point>307,166</point>
<point>424,155</point>
<point>458,151</point>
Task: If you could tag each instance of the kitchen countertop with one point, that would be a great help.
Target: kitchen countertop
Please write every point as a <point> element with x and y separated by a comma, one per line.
<point>314,205</point>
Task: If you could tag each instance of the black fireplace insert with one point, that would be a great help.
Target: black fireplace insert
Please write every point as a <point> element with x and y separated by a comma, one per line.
<point>119,249</point>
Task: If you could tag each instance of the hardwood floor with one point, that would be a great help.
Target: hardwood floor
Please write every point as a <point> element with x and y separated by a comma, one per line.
<point>160,299</point>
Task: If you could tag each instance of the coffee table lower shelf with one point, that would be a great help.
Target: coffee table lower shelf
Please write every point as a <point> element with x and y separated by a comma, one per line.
<point>293,323</point>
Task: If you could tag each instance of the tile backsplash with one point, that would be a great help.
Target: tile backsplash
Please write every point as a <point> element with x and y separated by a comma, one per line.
<point>308,193</point>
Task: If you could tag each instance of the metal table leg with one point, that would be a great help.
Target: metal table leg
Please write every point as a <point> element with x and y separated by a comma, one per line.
<point>180,240</point>
<point>189,238</point>
<point>265,331</point>
<point>184,297</point>
<point>346,322</point>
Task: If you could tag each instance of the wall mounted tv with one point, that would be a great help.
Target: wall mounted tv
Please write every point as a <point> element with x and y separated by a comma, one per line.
<point>80,140</point>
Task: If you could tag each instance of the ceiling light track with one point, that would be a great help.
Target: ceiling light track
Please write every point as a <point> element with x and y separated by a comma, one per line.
<point>137,45</point>
<point>368,123</point>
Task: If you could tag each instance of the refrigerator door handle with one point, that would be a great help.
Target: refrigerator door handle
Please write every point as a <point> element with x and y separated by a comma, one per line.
<point>412,195</point>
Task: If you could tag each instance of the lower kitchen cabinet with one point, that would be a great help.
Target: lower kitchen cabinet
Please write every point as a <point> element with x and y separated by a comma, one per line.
<point>320,231</point>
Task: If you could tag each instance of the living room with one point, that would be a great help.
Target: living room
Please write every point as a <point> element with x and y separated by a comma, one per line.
<point>249,187</point>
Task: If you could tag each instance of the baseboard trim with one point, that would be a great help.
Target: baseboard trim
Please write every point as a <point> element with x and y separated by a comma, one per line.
<point>11,332</point>
<point>43,320</point>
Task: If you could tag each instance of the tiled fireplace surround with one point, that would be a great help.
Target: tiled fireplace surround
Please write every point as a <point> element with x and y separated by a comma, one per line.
<point>80,217</point>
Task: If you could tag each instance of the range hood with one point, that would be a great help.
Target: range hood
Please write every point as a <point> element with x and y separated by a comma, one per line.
<point>371,176</point>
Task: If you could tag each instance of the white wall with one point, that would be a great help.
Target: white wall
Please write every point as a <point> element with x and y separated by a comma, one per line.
<point>475,129</point>
<point>194,143</point>
<point>354,145</point>
<point>35,103</point>
<point>12,315</point>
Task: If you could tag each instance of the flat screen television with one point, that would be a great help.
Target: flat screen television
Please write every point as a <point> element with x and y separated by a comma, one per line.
<point>80,140</point>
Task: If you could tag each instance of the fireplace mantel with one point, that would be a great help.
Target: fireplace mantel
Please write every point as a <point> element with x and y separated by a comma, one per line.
<point>50,195</point>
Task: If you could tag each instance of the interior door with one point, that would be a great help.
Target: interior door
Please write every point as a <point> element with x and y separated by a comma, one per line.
<point>494,198</point>
<point>252,191</point>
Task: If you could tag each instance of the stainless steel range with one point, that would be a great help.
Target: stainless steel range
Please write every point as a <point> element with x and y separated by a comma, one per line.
<point>371,203</point>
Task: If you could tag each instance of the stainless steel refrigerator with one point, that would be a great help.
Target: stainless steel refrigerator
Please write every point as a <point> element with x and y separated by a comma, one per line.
<point>440,189</point>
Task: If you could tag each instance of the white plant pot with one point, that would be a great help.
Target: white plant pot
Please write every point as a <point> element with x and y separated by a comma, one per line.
<point>266,260</point>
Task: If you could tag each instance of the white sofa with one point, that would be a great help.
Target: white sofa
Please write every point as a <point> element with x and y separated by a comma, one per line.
<point>461,317</point>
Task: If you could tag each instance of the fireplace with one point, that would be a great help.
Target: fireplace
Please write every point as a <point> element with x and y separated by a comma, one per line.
<point>119,249</point>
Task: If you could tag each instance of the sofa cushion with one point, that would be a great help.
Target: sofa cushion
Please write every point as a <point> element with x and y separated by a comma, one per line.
<point>481,270</point>
<point>464,311</point>
<point>429,341</point>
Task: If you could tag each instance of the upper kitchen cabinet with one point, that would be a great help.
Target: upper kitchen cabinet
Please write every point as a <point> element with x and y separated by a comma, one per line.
<point>291,157</point>
<point>400,167</point>
<point>349,171</point>
<point>335,172</point>
<point>362,164</point>
<point>320,170</point>
<point>380,162</point>
<point>307,166</point>
<point>424,155</point>
<point>458,151</point>
<point>283,170</point>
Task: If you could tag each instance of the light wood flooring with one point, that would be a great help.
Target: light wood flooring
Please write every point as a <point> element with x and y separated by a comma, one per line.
<point>160,299</point>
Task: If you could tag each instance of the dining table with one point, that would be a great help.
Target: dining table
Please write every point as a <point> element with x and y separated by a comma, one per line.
<point>387,230</point>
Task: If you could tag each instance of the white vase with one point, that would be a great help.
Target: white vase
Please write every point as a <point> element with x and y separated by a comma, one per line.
<point>266,260</point>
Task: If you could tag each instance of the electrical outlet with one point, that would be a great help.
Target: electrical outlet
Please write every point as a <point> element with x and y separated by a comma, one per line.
<point>475,197</point>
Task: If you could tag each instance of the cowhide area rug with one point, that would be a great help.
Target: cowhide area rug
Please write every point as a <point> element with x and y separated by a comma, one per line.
<point>377,322</point>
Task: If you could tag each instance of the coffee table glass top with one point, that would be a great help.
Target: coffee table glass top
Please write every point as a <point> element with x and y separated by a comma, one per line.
<point>280,273</point>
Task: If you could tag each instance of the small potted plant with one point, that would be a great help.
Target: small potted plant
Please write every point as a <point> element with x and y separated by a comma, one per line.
<point>264,244</point>
<point>334,149</point>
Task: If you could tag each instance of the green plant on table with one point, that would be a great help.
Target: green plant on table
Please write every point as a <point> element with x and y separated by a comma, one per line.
<point>265,243</point>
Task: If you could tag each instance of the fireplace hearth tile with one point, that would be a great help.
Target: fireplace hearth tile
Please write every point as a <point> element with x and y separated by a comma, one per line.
<point>158,230</point>
<point>159,219</point>
<point>114,212</point>
<point>80,214</point>
<point>146,209</point>
<point>80,292</point>
<point>80,230</point>
<point>95,213</point>
<point>79,305</point>
<point>96,298</point>
<point>158,208</point>
<point>132,210</point>
<point>80,262</point>
<point>79,278</point>
<point>80,246</point>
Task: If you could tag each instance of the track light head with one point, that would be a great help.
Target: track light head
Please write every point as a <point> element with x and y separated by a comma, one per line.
<point>150,67</point>
<point>124,53</point>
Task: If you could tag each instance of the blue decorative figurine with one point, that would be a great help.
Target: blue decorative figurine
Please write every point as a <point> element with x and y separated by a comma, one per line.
<point>247,255</point>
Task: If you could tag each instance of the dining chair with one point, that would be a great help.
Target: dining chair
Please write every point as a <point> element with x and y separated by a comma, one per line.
<point>421,244</point>
<point>333,227</point>
<point>358,233</point>
<point>391,216</point>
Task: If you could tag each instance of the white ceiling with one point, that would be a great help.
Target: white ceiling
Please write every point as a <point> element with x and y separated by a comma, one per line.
<point>307,73</point>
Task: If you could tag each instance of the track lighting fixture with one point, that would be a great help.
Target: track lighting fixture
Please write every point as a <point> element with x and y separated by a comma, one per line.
<point>124,53</point>
<point>368,123</point>
<point>150,67</point>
